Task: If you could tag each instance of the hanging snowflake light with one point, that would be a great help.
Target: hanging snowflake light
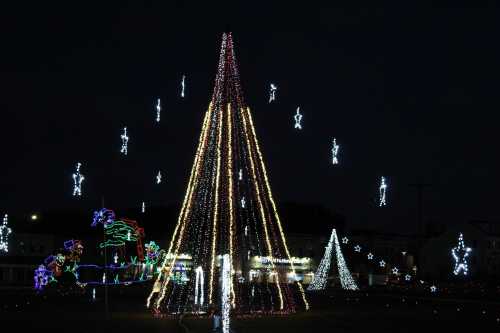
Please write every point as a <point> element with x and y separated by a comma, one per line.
<point>382,191</point>
<point>77,181</point>
<point>124,137</point>
<point>335,152</point>
<point>272,92</point>
<point>298,119</point>
<point>5,231</point>
<point>460,254</point>
<point>183,85</point>
<point>158,110</point>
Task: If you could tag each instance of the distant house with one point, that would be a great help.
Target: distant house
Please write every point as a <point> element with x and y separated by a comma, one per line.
<point>482,237</point>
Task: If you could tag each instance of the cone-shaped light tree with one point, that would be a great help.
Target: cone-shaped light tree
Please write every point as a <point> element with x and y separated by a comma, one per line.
<point>229,209</point>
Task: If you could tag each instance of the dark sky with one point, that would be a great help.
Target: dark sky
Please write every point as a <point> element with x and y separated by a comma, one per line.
<point>410,93</point>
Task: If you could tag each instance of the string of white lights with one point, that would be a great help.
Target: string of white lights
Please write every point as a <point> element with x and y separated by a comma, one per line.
<point>143,207</point>
<point>226,290</point>
<point>158,177</point>
<point>199,286</point>
<point>5,231</point>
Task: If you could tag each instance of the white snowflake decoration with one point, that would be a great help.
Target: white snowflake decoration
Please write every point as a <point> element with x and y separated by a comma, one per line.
<point>460,254</point>
<point>124,137</point>
<point>335,152</point>
<point>158,110</point>
<point>183,85</point>
<point>272,92</point>
<point>77,181</point>
<point>298,119</point>
<point>382,192</point>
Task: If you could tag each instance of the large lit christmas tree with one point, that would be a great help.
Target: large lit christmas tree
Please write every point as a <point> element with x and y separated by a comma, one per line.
<point>229,209</point>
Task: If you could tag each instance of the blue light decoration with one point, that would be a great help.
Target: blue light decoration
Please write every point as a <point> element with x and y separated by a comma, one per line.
<point>126,271</point>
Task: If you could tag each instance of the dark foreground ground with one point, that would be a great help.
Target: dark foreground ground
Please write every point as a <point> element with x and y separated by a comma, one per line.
<point>336,312</point>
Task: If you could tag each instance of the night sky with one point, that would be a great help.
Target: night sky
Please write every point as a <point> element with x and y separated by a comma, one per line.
<point>410,93</point>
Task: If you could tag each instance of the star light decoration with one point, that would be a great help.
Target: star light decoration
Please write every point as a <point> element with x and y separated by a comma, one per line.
<point>395,271</point>
<point>407,277</point>
<point>124,137</point>
<point>158,110</point>
<point>370,256</point>
<point>272,92</point>
<point>5,231</point>
<point>78,178</point>
<point>335,152</point>
<point>382,263</point>
<point>357,248</point>
<point>298,119</point>
<point>460,254</point>
<point>345,240</point>
<point>183,85</point>
<point>433,289</point>
<point>382,191</point>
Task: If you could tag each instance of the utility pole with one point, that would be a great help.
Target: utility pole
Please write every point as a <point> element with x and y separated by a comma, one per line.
<point>106,307</point>
<point>420,210</point>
